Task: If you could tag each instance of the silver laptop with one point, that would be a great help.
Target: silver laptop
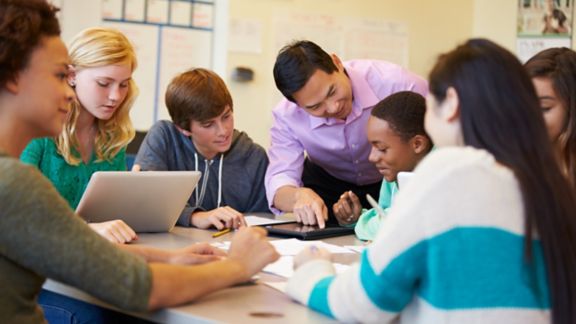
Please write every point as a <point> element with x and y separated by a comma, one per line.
<point>149,201</point>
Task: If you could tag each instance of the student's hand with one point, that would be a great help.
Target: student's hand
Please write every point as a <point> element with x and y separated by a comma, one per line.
<point>311,253</point>
<point>309,208</point>
<point>196,254</point>
<point>251,250</point>
<point>223,217</point>
<point>115,231</point>
<point>136,167</point>
<point>347,209</point>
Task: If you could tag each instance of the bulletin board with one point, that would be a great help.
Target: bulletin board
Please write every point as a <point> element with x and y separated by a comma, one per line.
<point>350,37</point>
<point>170,37</point>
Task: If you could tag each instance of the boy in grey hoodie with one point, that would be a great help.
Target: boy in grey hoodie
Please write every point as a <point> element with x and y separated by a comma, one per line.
<point>202,137</point>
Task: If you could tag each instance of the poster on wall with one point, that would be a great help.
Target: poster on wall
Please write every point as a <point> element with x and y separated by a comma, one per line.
<point>543,24</point>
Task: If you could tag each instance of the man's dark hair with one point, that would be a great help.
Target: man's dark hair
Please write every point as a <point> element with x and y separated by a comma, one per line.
<point>404,111</point>
<point>295,64</point>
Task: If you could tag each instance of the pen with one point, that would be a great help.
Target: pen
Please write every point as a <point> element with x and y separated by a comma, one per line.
<point>375,205</point>
<point>222,232</point>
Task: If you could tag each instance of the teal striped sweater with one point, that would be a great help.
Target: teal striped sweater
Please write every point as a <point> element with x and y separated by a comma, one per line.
<point>450,250</point>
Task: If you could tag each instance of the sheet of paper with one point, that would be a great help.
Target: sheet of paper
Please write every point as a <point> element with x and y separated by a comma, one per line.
<point>284,267</point>
<point>203,15</point>
<point>356,248</point>
<point>134,10</point>
<point>280,286</point>
<point>257,220</point>
<point>221,245</point>
<point>294,246</point>
<point>291,247</point>
<point>181,13</point>
<point>112,9</point>
<point>351,37</point>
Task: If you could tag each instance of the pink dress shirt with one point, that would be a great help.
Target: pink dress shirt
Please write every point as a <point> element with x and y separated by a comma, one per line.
<point>339,147</point>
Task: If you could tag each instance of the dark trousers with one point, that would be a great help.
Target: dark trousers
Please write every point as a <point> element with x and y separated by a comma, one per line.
<point>329,188</point>
<point>60,309</point>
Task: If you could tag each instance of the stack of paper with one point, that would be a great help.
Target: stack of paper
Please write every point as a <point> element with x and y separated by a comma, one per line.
<point>281,285</point>
<point>284,267</point>
<point>287,249</point>
<point>294,246</point>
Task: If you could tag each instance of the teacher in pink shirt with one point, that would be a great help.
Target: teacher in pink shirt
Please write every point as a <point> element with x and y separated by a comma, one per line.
<point>319,148</point>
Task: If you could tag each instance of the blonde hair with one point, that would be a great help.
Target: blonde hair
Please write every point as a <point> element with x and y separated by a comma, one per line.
<point>97,47</point>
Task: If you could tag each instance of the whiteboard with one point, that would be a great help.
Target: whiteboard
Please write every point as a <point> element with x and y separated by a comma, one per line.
<point>180,50</point>
<point>144,38</point>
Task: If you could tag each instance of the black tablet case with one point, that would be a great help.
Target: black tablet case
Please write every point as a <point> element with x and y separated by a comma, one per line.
<point>287,230</point>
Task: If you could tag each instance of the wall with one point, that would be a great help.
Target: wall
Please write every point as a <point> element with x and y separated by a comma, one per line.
<point>496,20</point>
<point>72,22</point>
<point>433,27</point>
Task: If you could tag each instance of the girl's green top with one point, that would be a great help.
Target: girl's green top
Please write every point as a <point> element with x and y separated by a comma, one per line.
<point>69,180</point>
<point>369,222</point>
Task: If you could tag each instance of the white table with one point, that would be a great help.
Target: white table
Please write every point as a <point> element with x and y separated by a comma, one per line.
<point>254,303</point>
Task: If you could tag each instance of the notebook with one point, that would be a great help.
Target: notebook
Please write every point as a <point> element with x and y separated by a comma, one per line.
<point>307,232</point>
<point>148,201</point>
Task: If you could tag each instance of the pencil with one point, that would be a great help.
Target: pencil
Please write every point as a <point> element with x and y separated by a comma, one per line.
<point>222,232</point>
<point>375,205</point>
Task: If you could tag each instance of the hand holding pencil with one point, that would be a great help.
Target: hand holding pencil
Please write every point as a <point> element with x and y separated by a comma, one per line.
<point>347,209</point>
<point>221,218</point>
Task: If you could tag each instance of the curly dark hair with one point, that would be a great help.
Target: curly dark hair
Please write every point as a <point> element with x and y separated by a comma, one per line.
<point>404,111</point>
<point>23,23</point>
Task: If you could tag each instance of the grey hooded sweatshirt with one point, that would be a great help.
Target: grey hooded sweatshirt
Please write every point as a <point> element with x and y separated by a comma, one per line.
<point>243,168</point>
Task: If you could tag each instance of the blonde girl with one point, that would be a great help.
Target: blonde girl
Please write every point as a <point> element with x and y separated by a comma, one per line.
<point>98,127</point>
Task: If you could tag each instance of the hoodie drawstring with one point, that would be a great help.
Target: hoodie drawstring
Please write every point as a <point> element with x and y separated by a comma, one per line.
<point>205,180</point>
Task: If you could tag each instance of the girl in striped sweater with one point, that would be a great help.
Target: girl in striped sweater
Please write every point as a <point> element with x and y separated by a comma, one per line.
<point>484,232</point>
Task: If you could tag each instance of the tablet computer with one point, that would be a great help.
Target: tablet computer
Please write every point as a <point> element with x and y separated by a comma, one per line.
<point>307,232</point>
<point>148,201</point>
